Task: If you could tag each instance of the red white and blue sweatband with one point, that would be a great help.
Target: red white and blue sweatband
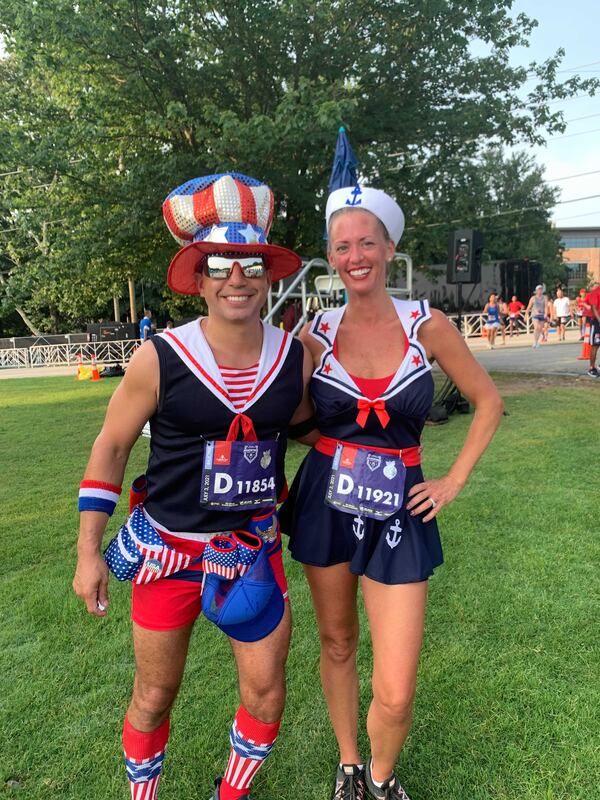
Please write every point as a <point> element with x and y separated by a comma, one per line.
<point>98,496</point>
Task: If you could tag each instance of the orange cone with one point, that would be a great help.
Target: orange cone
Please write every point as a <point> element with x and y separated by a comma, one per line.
<point>95,373</point>
<point>585,350</point>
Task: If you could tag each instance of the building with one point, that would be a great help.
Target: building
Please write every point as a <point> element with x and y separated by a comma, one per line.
<point>581,256</point>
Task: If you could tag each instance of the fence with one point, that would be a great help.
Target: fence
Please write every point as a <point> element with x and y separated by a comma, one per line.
<point>64,355</point>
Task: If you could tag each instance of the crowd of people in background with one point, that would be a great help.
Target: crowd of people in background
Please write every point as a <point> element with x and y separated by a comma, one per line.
<point>544,311</point>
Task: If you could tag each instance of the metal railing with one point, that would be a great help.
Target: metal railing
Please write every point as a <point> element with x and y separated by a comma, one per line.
<point>14,357</point>
<point>53,355</point>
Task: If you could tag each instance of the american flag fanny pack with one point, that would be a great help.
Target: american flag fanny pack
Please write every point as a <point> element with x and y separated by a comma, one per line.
<point>138,552</point>
<point>230,556</point>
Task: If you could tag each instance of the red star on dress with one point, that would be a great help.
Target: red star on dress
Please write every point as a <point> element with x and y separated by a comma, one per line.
<point>416,360</point>
<point>324,327</point>
<point>415,314</point>
<point>327,369</point>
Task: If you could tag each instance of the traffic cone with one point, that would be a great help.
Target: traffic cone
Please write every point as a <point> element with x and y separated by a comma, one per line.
<point>585,350</point>
<point>95,373</point>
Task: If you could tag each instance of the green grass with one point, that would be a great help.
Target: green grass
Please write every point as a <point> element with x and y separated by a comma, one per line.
<point>508,703</point>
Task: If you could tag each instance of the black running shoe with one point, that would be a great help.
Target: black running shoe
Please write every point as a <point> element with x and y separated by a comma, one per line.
<point>349,783</point>
<point>217,792</point>
<point>390,790</point>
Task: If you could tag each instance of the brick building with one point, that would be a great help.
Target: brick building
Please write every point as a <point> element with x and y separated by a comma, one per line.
<point>581,255</point>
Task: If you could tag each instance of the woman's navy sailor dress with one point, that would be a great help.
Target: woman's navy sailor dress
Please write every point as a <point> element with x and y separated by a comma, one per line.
<point>400,549</point>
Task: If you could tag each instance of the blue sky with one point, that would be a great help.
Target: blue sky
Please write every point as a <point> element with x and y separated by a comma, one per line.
<point>575,26</point>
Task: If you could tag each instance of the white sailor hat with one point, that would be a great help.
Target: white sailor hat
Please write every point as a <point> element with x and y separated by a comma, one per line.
<point>377,202</point>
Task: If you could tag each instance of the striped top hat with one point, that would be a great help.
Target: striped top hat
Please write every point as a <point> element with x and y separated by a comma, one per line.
<point>223,213</point>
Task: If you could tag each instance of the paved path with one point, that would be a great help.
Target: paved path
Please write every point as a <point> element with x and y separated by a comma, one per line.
<point>548,359</point>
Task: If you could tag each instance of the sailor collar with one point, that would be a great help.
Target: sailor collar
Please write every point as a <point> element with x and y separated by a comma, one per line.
<point>190,344</point>
<point>411,313</point>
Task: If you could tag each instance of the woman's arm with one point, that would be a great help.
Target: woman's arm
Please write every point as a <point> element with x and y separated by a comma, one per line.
<point>443,342</point>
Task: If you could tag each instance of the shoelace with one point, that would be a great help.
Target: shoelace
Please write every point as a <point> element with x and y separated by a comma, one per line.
<point>395,792</point>
<point>352,788</point>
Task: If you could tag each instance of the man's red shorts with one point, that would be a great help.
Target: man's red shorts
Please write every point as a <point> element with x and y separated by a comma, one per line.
<point>173,602</point>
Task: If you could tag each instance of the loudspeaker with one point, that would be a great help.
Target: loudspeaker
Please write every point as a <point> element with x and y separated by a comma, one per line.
<point>464,256</point>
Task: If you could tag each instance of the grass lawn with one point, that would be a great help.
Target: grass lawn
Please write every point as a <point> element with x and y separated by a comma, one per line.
<point>508,703</point>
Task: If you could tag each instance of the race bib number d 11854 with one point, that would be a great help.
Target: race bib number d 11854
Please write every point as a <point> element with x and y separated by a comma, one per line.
<point>239,475</point>
<point>365,482</point>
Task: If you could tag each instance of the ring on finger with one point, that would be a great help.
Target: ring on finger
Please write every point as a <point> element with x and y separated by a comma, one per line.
<point>433,503</point>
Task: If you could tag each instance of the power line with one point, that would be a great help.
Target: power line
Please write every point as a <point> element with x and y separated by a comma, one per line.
<point>577,216</point>
<point>504,213</point>
<point>571,135</point>
<point>568,177</point>
<point>533,74</point>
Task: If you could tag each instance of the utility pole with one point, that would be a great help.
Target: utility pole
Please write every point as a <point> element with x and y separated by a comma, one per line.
<point>132,311</point>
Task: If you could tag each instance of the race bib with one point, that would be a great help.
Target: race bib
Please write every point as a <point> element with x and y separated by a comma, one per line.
<point>365,482</point>
<point>239,475</point>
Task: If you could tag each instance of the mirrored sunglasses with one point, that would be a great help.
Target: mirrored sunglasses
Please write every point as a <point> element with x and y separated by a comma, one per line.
<point>221,267</point>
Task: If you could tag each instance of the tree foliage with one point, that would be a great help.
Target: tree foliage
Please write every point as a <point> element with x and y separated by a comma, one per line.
<point>106,107</point>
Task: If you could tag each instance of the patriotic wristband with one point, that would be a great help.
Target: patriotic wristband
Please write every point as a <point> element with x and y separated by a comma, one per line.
<point>98,496</point>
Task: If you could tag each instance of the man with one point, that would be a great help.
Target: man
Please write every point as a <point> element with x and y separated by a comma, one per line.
<point>592,311</point>
<point>561,313</point>
<point>514,312</point>
<point>179,382</point>
<point>146,330</point>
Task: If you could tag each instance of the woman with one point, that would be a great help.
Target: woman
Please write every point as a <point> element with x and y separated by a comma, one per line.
<point>491,311</point>
<point>372,387</point>
<point>538,308</point>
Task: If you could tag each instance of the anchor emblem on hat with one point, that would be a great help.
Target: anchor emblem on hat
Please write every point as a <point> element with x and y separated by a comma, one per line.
<point>395,539</point>
<point>356,201</point>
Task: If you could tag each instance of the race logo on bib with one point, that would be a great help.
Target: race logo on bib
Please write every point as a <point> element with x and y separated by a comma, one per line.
<point>374,462</point>
<point>250,452</point>
<point>390,470</point>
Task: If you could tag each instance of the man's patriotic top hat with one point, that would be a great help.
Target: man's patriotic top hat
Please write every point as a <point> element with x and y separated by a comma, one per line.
<point>223,213</point>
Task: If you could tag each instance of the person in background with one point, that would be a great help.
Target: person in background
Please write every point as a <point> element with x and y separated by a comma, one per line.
<point>580,312</point>
<point>562,313</point>
<point>538,308</point>
<point>146,327</point>
<point>514,313</point>
<point>592,308</point>
<point>503,308</point>
<point>491,311</point>
<point>169,326</point>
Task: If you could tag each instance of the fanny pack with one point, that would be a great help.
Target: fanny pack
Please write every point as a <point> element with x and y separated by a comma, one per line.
<point>138,552</point>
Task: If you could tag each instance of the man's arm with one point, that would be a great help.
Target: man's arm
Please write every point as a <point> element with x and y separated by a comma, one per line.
<point>306,410</point>
<point>132,404</point>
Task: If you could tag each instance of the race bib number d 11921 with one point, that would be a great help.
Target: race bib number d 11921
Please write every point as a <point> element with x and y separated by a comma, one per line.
<point>239,475</point>
<point>365,482</point>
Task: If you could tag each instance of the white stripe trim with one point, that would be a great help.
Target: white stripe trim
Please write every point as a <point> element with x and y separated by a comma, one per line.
<point>105,494</point>
<point>191,336</point>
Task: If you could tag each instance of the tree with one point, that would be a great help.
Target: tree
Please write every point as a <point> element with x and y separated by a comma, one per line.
<point>106,107</point>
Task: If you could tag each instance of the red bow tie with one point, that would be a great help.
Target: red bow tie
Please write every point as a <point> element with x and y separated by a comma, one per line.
<point>378,406</point>
<point>245,423</point>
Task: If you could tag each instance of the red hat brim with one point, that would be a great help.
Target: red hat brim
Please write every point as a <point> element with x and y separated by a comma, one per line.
<point>180,278</point>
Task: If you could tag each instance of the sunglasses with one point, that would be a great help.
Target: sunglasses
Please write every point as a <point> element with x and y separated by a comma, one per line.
<point>220,267</point>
